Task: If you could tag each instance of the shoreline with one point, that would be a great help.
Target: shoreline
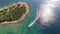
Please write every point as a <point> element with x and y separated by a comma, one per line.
<point>28,8</point>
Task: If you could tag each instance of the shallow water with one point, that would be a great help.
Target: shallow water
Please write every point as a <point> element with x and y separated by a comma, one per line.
<point>23,27</point>
<point>40,26</point>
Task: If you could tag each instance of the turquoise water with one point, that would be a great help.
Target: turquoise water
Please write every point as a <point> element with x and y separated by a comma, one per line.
<point>36,28</point>
<point>23,27</point>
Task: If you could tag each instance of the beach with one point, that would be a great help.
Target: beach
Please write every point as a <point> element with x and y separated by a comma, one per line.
<point>28,8</point>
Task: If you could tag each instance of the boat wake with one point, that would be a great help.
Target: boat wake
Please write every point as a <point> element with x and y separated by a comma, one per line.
<point>46,12</point>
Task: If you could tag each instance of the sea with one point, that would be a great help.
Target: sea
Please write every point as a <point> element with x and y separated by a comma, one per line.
<point>42,25</point>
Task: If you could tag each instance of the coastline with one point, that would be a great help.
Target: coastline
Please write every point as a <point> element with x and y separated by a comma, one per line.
<point>28,8</point>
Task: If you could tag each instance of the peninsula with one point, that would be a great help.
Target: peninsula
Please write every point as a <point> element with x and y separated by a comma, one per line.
<point>14,13</point>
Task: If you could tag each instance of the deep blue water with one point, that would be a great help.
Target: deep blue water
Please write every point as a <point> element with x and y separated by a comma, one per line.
<point>36,29</point>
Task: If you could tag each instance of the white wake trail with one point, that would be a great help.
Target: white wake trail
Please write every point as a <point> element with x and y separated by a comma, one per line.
<point>33,21</point>
<point>46,12</point>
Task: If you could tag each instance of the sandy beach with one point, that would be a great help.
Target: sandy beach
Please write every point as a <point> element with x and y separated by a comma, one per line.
<point>28,8</point>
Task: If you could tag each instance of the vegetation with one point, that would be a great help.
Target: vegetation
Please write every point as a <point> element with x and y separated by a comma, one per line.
<point>14,13</point>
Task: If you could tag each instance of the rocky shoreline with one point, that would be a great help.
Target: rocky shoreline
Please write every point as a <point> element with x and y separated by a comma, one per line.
<point>22,17</point>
